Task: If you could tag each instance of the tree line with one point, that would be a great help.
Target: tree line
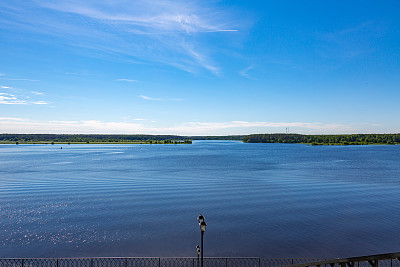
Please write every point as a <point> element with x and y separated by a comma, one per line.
<point>91,138</point>
<point>351,139</point>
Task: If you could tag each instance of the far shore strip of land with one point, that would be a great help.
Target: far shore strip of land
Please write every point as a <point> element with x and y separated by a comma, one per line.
<point>286,138</point>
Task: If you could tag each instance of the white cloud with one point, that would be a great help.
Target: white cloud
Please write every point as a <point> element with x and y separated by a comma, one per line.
<point>267,126</point>
<point>37,93</point>
<point>150,98</point>
<point>245,71</point>
<point>28,80</point>
<point>19,125</point>
<point>39,102</point>
<point>127,80</point>
<point>159,99</point>
<point>10,119</point>
<point>5,87</point>
<point>9,99</point>
<point>164,31</point>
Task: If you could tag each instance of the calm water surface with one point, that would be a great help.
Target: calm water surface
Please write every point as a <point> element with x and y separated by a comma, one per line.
<point>268,200</point>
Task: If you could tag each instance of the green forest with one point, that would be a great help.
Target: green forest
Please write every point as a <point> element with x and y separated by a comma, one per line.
<point>91,138</point>
<point>107,138</point>
<point>351,139</point>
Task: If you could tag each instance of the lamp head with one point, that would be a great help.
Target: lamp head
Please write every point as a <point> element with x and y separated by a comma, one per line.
<point>200,218</point>
<point>203,226</point>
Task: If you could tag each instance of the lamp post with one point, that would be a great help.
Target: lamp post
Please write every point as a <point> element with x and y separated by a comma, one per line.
<point>202,224</point>
<point>198,254</point>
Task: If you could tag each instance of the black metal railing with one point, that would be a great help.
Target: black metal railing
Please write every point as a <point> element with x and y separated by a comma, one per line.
<point>150,262</point>
<point>388,259</point>
<point>373,260</point>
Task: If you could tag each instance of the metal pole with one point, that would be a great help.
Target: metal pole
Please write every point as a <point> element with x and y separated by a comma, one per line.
<point>202,250</point>
<point>198,255</point>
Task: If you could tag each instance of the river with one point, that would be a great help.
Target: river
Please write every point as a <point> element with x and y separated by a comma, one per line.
<point>264,200</point>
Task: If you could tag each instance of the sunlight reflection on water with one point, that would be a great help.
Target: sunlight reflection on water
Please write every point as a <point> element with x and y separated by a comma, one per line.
<point>268,200</point>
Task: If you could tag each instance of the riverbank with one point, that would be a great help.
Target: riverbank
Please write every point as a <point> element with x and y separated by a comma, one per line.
<point>329,140</point>
<point>94,142</point>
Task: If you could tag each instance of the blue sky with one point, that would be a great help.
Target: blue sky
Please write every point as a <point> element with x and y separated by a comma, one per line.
<point>199,67</point>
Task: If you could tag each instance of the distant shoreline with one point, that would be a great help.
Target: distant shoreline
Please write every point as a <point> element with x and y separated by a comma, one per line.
<point>325,140</point>
<point>285,138</point>
<point>106,139</point>
<point>107,143</point>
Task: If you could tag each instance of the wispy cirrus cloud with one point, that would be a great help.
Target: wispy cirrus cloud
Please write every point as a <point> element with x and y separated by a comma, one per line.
<point>245,73</point>
<point>19,79</point>
<point>166,31</point>
<point>37,93</point>
<point>127,80</point>
<point>18,96</point>
<point>159,99</point>
<point>39,102</point>
<point>11,99</point>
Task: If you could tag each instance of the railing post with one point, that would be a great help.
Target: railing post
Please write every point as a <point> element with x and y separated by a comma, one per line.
<point>22,262</point>
<point>374,263</point>
<point>259,262</point>
<point>57,262</point>
<point>159,262</point>
<point>226,262</point>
